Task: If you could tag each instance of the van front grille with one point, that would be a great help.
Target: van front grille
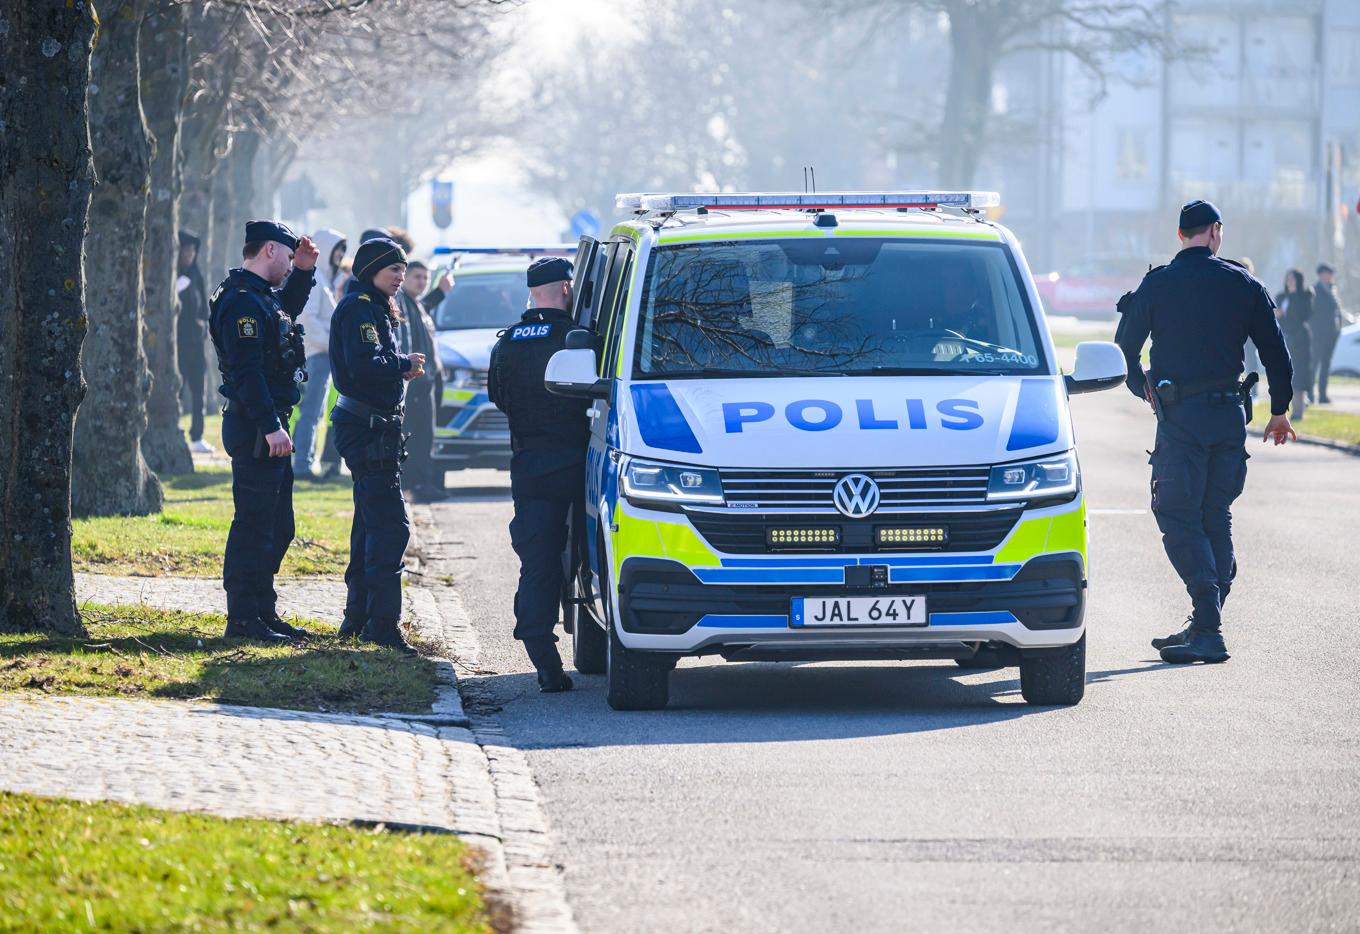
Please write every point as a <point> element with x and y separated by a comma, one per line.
<point>812,489</point>
<point>747,532</point>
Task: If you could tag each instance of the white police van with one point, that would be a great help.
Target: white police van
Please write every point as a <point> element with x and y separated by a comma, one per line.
<point>488,294</point>
<point>824,426</point>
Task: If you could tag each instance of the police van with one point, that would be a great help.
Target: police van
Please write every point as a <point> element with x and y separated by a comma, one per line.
<point>488,294</point>
<point>825,426</point>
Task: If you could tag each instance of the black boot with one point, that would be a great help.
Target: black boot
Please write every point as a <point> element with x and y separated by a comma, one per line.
<point>1202,646</point>
<point>388,635</point>
<point>277,625</point>
<point>554,681</point>
<point>256,630</point>
<point>350,628</point>
<point>1176,638</point>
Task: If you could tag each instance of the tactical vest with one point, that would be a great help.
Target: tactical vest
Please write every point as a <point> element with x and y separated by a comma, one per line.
<point>538,418</point>
<point>285,358</point>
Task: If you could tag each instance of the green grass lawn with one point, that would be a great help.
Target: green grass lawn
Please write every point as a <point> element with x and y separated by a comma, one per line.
<point>189,535</point>
<point>136,651</point>
<point>1335,426</point>
<point>72,865</point>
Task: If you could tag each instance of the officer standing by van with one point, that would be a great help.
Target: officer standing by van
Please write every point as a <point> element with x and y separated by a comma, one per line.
<point>548,439</point>
<point>1200,311</point>
<point>370,375</point>
<point>260,353</point>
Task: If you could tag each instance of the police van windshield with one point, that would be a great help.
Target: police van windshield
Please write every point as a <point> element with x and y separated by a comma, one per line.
<point>486,300</point>
<point>835,306</point>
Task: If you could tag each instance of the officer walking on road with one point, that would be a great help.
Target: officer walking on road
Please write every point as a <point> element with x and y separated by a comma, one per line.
<point>548,438</point>
<point>370,375</point>
<point>260,353</point>
<point>1199,311</point>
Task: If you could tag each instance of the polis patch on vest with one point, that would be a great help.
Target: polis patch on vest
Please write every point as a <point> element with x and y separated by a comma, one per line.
<point>247,327</point>
<point>521,332</point>
<point>823,414</point>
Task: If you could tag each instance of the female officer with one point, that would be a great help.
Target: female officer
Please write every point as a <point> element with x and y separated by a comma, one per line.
<point>370,374</point>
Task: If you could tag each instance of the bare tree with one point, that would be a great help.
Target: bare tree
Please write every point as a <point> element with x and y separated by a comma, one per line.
<point>44,202</point>
<point>109,475</point>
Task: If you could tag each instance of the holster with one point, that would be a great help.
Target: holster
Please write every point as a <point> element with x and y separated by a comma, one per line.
<point>387,449</point>
<point>1248,384</point>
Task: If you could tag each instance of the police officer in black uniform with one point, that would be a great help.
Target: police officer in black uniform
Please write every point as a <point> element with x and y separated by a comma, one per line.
<point>260,353</point>
<point>370,375</point>
<point>548,437</point>
<point>1199,311</point>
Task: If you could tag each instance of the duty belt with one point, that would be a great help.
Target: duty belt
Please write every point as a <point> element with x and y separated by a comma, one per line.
<point>373,414</point>
<point>237,408</point>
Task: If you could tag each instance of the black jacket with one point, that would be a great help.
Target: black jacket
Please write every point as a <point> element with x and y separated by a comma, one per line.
<point>1327,319</point>
<point>538,418</point>
<point>258,345</point>
<point>419,326</point>
<point>365,362</point>
<point>1199,311</point>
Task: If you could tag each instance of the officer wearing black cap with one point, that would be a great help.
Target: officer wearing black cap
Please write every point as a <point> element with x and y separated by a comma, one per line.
<point>259,351</point>
<point>1199,311</point>
<point>548,438</point>
<point>370,375</point>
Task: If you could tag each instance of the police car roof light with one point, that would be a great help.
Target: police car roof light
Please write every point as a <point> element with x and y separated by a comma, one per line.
<point>806,201</point>
<point>553,248</point>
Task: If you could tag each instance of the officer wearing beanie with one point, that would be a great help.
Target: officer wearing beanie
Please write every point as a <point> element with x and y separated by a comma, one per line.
<point>548,439</point>
<point>259,351</point>
<point>371,376</point>
<point>1200,311</point>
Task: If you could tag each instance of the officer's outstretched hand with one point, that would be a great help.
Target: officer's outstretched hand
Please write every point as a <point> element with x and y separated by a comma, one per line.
<point>306,255</point>
<point>280,445</point>
<point>1279,430</point>
<point>417,367</point>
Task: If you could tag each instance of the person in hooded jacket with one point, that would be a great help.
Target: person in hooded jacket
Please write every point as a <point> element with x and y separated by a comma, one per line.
<point>191,334</point>
<point>316,322</point>
<point>370,374</point>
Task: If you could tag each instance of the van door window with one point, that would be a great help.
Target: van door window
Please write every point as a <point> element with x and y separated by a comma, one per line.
<point>620,275</point>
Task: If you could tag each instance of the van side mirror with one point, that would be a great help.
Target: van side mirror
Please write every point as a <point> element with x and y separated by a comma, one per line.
<point>572,372</point>
<point>1100,365</point>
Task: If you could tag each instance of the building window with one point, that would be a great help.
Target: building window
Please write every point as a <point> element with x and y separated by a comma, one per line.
<point>1131,159</point>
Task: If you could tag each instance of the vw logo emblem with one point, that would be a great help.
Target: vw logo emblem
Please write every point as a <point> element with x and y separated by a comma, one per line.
<point>855,495</point>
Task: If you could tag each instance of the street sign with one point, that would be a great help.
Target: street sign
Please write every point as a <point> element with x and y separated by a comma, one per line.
<point>441,203</point>
<point>585,224</point>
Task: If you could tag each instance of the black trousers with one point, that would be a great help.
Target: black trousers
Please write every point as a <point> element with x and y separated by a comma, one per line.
<point>380,530</point>
<point>262,525</point>
<point>193,367</point>
<point>546,486</point>
<point>419,469</point>
<point>1324,345</point>
<point>1199,468</point>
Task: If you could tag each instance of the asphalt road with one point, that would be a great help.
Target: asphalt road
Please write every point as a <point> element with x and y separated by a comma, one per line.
<point>883,797</point>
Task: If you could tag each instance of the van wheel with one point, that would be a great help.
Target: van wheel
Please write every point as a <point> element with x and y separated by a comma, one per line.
<point>1055,678</point>
<point>636,680</point>
<point>589,650</point>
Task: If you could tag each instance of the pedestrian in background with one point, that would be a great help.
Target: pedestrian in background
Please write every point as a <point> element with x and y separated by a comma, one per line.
<point>1294,308</point>
<point>263,365</point>
<point>370,373</point>
<point>1326,325</point>
<point>421,475</point>
<point>191,333</point>
<point>316,322</point>
<point>1199,311</point>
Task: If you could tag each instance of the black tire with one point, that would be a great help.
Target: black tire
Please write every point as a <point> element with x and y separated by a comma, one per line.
<point>1057,678</point>
<point>589,647</point>
<point>636,680</point>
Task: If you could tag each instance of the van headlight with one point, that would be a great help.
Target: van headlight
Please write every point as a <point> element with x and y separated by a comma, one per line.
<point>650,483</point>
<point>1053,477</point>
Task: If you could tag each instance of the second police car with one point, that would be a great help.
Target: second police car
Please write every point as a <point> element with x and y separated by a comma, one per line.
<point>489,294</point>
<point>825,426</point>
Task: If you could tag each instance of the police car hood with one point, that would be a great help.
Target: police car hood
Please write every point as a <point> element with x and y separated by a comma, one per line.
<point>469,348</point>
<point>845,422</point>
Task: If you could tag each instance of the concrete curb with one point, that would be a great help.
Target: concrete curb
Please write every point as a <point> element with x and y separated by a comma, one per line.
<point>521,863</point>
<point>1342,446</point>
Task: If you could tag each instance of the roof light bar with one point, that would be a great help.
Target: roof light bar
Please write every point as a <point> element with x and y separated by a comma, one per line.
<point>806,201</point>
<point>507,250</point>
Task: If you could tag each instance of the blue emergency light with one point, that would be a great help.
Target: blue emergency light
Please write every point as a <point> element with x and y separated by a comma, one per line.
<point>556,249</point>
<point>649,202</point>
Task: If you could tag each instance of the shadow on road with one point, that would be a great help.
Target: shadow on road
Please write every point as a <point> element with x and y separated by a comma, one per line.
<point>474,494</point>
<point>751,703</point>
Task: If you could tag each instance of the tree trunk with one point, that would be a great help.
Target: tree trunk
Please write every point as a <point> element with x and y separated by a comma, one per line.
<point>975,45</point>
<point>165,67</point>
<point>110,477</point>
<point>45,180</point>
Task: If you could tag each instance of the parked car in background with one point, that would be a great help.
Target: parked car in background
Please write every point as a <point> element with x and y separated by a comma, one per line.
<point>1091,287</point>
<point>1346,357</point>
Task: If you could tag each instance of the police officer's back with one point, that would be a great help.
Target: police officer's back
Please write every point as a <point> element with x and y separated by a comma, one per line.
<point>549,435</point>
<point>259,351</point>
<point>1199,311</point>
